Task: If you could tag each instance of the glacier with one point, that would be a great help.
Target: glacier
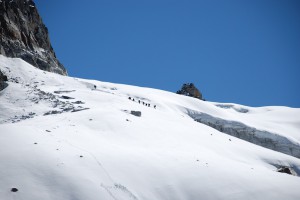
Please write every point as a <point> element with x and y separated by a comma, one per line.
<point>67,138</point>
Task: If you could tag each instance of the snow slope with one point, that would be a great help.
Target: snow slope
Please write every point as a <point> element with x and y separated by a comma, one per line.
<point>61,138</point>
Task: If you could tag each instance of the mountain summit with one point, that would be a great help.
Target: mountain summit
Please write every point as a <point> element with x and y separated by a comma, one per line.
<point>24,35</point>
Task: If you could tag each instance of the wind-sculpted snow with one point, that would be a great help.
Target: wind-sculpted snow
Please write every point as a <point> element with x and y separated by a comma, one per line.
<point>260,137</point>
<point>67,138</point>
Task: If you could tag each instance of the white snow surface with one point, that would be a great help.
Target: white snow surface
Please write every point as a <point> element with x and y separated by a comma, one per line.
<point>104,152</point>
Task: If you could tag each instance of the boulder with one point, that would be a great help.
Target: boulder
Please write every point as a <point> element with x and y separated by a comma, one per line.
<point>136,113</point>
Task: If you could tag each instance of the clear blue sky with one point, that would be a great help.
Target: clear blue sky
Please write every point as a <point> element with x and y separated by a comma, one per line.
<point>246,52</point>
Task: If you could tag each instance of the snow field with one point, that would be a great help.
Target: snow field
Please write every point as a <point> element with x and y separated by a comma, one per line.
<point>104,152</point>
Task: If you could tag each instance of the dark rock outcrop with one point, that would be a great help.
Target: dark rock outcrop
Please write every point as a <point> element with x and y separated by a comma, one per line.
<point>23,35</point>
<point>189,89</point>
<point>3,79</point>
<point>285,169</point>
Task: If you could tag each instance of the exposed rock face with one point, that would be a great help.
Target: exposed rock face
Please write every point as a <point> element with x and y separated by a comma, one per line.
<point>259,137</point>
<point>3,79</point>
<point>23,35</point>
<point>189,89</point>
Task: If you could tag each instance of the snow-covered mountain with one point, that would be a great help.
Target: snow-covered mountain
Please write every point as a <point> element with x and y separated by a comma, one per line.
<point>67,138</point>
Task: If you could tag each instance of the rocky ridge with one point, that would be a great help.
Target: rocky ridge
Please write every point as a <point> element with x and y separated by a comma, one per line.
<point>23,35</point>
<point>189,89</point>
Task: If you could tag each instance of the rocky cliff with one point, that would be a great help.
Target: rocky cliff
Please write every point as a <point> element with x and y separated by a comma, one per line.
<point>23,35</point>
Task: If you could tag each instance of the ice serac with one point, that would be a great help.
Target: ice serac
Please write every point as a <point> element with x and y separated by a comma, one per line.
<point>24,35</point>
<point>240,130</point>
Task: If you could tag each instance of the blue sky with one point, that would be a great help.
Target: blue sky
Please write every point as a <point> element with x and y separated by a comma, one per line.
<point>245,52</point>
